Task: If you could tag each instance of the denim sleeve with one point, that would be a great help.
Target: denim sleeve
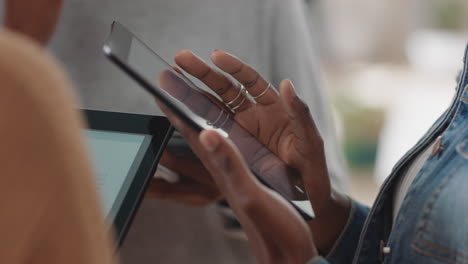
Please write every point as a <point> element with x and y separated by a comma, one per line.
<point>344,248</point>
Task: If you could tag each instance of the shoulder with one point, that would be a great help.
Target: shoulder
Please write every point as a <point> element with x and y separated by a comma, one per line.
<point>25,64</point>
<point>30,76</point>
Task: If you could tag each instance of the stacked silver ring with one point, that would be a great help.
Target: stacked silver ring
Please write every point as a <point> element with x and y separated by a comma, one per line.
<point>214,125</point>
<point>242,92</point>
<point>263,92</point>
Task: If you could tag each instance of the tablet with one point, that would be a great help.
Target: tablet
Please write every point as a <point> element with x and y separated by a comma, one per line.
<point>202,110</point>
<point>125,150</point>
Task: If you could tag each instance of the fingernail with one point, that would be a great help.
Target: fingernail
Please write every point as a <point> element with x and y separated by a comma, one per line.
<point>293,89</point>
<point>209,142</point>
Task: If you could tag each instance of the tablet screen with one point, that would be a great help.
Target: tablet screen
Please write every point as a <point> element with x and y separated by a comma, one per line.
<point>116,157</point>
<point>125,149</point>
<point>202,110</point>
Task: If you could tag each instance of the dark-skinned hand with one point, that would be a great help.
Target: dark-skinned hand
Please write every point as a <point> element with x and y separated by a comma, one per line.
<point>280,121</point>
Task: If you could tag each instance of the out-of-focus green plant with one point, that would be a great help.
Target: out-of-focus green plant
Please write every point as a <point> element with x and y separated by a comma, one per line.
<point>449,14</point>
<point>362,129</point>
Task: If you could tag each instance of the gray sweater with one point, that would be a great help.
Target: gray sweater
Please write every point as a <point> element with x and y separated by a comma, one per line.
<point>270,35</point>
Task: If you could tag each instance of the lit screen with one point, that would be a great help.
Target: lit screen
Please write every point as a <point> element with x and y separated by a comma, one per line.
<point>116,158</point>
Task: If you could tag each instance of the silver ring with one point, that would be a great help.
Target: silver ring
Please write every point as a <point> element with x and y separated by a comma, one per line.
<point>242,91</point>
<point>263,92</point>
<point>224,122</point>
<point>233,109</point>
<point>213,124</point>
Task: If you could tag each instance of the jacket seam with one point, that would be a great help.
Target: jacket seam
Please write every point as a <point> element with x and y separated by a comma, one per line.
<point>444,249</point>
<point>432,255</point>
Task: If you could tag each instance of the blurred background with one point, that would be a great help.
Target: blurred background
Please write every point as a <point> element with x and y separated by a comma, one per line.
<point>391,68</point>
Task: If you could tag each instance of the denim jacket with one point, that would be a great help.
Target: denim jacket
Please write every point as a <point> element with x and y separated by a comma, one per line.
<point>432,223</point>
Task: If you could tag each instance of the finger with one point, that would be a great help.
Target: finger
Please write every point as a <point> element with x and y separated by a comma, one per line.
<point>215,80</point>
<point>190,134</point>
<point>230,172</point>
<point>307,137</point>
<point>257,207</point>
<point>223,159</point>
<point>194,86</point>
<point>309,154</point>
<point>187,192</point>
<point>188,168</point>
<point>251,79</point>
<point>198,102</point>
<point>179,71</point>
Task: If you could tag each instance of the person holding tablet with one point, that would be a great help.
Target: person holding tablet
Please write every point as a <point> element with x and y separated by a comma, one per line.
<point>51,213</point>
<point>49,207</point>
<point>418,217</point>
<point>176,24</point>
<point>38,21</point>
<point>48,202</point>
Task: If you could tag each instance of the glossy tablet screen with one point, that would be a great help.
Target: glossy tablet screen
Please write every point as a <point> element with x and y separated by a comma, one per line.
<point>125,149</point>
<point>116,157</point>
<point>202,110</point>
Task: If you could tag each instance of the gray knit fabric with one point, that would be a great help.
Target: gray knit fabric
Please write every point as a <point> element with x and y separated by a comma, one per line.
<point>271,35</point>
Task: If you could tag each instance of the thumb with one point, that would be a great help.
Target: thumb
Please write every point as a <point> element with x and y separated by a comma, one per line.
<point>309,150</point>
<point>307,137</point>
<point>271,224</point>
<point>226,165</point>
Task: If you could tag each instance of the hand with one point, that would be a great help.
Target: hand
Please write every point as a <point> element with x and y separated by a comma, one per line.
<point>275,230</point>
<point>195,186</point>
<point>282,122</point>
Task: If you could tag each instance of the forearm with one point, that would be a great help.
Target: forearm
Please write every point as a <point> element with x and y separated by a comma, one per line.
<point>36,19</point>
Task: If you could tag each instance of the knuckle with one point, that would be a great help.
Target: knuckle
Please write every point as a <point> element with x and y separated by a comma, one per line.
<point>248,204</point>
<point>320,141</point>
<point>223,90</point>
<point>248,199</point>
<point>238,69</point>
<point>224,162</point>
<point>204,74</point>
<point>251,83</point>
<point>317,146</point>
<point>303,108</point>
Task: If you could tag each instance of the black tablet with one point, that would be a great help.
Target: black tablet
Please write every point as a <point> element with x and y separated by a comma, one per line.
<point>125,149</point>
<point>202,110</point>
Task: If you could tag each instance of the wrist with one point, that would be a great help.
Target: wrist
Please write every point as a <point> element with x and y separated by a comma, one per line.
<point>330,221</point>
